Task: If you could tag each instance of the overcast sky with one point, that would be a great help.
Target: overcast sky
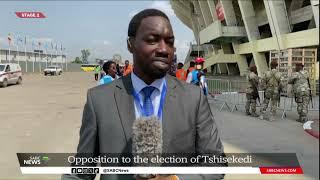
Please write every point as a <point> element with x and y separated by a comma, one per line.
<point>100,26</point>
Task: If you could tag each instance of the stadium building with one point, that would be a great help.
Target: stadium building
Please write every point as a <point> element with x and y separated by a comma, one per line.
<point>233,34</point>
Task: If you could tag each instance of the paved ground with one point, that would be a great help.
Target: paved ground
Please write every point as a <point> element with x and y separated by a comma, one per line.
<point>44,115</point>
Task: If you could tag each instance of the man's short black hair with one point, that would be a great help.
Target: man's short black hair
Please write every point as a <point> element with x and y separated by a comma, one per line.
<point>136,20</point>
<point>274,64</point>
<point>180,65</point>
<point>107,65</point>
<point>192,63</point>
<point>299,65</point>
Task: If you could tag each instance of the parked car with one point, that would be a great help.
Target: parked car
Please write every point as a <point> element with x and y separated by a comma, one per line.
<point>10,73</point>
<point>52,70</point>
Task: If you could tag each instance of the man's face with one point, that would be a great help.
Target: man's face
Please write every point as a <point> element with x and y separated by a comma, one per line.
<point>199,66</point>
<point>121,69</point>
<point>126,63</point>
<point>112,70</point>
<point>153,47</point>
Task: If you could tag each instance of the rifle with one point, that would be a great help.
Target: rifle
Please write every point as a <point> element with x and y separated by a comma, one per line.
<point>255,91</point>
<point>279,87</point>
<point>257,94</point>
<point>310,93</point>
<point>279,96</point>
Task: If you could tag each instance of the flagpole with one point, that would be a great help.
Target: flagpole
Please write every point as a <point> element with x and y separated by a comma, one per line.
<point>35,56</point>
<point>9,54</point>
<point>56,55</point>
<point>39,59</point>
<point>51,57</point>
<point>46,59</point>
<point>65,60</point>
<point>61,57</point>
<point>51,54</point>
<point>18,54</point>
<point>9,40</point>
<point>25,52</point>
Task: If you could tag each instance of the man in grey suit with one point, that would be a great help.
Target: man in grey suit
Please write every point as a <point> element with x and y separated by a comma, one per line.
<point>188,125</point>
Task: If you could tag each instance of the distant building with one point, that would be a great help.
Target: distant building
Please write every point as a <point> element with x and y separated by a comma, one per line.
<point>33,61</point>
<point>37,56</point>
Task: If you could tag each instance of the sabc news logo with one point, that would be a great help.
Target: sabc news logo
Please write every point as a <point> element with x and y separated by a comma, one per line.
<point>36,160</point>
<point>84,170</point>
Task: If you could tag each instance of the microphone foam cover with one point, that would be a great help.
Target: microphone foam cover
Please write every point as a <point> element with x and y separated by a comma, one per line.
<point>147,135</point>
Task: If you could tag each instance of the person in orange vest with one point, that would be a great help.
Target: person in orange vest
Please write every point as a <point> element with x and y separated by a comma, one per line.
<point>191,67</point>
<point>127,68</point>
<point>181,73</point>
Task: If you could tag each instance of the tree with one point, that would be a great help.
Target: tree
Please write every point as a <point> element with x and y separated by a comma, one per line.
<point>77,60</point>
<point>85,53</point>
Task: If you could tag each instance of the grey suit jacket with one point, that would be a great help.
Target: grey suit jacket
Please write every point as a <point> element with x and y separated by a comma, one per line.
<point>108,116</point>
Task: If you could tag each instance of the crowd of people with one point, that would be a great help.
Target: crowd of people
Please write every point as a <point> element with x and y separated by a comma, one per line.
<point>110,71</point>
<point>195,74</point>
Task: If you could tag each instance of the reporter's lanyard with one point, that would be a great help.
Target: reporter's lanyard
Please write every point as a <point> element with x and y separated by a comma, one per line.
<point>162,98</point>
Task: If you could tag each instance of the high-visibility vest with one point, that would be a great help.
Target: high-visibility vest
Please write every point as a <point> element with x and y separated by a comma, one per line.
<point>195,77</point>
<point>127,70</point>
<point>190,69</point>
<point>181,74</point>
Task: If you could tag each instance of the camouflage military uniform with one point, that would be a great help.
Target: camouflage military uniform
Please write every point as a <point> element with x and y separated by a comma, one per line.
<point>271,84</point>
<point>301,92</point>
<point>251,93</point>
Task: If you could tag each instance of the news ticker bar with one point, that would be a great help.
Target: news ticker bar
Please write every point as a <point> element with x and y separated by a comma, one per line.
<point>161,170</point>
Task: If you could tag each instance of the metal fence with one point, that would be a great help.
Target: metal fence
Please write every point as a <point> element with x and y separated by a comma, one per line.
<point>30,67</point>
<point>231,94</point>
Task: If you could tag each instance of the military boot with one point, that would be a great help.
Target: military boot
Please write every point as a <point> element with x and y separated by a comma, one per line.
<point>300,119</point>
<point>254,114</point>
<point>303,119</point>
<point>272,118</point>
<point>248,113</point>
<point>262,115</point>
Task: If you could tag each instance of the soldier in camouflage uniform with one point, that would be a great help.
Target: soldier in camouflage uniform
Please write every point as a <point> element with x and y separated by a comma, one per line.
<point>301,89</point>
<point>252,92</point>
<point>271,84</point>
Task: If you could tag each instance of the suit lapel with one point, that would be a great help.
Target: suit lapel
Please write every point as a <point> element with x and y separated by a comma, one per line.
<point>125,106</point>
<point>168,113</point>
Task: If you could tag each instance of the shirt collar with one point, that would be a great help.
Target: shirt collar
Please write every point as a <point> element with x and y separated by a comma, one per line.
<point>107,76</point>
<point>138,84</point>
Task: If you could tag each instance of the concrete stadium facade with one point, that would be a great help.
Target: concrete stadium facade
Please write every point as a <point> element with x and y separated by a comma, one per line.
<point>233,34</point>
